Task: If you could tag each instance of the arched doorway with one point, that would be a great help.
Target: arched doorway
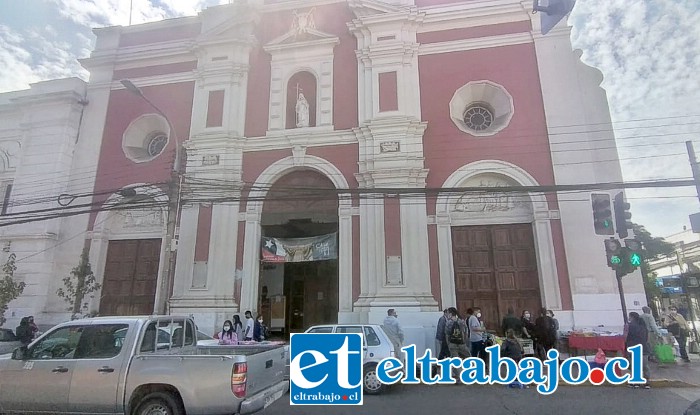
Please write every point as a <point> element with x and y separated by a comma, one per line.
<point>299,291</point>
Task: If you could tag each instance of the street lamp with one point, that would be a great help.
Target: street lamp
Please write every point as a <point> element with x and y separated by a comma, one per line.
<point>174,197</point>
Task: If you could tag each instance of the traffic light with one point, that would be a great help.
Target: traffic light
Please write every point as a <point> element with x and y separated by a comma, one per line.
<point>613,250</point>
<point>602,215</point>
<point>634,253</point>
<point>622,216</point>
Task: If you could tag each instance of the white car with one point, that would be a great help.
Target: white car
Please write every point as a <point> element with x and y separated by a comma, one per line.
<point>8,341</point>
<point>377,347</point>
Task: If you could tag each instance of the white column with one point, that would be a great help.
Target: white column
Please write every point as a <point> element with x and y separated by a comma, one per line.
<point>546,263</point>
<point>251,263</point>
<point>414,246</point>
<point>372,248</point>
<point>345,256</point>
<point>98,257</point>
<point>223,244</point>
<point>184,267</point>
<point>447,280</point>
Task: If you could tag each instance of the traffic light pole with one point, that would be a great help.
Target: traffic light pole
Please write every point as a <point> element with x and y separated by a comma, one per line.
<point>694,166</point>
<point>619,275</point>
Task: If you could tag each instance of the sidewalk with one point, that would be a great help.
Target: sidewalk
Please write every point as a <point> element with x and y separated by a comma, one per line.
<point>679,374</point>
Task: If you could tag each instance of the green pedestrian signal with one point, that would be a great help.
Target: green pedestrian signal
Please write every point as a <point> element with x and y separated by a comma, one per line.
<point>635,259</point>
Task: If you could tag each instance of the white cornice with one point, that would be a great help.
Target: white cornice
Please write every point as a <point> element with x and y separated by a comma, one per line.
<point>290,139</point>
<point>298,4</point>
<point>472,14</point>
<point>472,44</point>
<point>331,41</point>
<point>152,80</point>
<point>138,56</point>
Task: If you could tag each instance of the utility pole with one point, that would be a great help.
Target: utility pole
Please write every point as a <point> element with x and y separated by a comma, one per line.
<point>694,166</point>
<point>619,274</point>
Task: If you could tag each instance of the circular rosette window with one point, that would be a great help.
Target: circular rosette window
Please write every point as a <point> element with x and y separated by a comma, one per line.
<point>481,108</point>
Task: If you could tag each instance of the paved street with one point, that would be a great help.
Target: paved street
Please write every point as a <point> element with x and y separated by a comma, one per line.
<point>497,400</point>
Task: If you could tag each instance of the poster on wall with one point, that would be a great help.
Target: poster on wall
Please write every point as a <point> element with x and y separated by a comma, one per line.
<point>316,248</point>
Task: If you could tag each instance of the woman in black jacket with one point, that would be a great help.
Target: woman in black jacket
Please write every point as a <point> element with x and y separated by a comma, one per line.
<point>637,334</point>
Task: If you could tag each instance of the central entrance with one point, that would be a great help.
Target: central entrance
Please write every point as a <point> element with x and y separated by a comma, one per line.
<point>496,268</point>
<point>296,291</point>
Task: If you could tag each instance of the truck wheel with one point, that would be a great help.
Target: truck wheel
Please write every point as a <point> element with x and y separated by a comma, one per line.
<point>371,384</point>
<point>158,403</point>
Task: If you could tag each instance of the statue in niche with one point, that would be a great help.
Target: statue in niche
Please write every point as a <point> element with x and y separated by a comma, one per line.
<point>302,110</point>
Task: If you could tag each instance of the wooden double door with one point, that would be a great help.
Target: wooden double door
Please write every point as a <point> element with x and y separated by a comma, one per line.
<point>496,268</point>
<point>131,277</point>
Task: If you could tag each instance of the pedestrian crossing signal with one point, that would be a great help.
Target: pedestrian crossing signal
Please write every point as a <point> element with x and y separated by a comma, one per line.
<point>602,214</point>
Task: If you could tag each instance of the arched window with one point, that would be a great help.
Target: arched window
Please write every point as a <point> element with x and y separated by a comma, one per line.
<point>301,83</point>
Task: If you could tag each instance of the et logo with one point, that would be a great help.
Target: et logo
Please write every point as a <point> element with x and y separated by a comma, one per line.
<point>325,369</point>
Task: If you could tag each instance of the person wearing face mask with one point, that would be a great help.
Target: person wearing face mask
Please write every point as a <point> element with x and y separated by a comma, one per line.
<point>476,333</point>
<point>637,334</point>
<point>228,335</point>
<point>528,325</point>
<point>546,334</point>
<point>259,330</point>
<point>678,327</point>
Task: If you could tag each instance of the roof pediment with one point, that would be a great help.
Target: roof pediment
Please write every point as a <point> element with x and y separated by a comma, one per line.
<point>231,22</point>
<point>303,32</point>
<point>371,7</point>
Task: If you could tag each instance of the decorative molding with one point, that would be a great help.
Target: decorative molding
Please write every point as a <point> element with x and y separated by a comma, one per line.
<point>299,153</point>
<point>210,160</point>
<point>390,147</point>
<point>473,44</point>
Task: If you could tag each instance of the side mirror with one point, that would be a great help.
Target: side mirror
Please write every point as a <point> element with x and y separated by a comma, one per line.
<point>19,353</point>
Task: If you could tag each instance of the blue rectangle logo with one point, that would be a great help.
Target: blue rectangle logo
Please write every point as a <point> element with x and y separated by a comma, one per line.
<point>325,369</point>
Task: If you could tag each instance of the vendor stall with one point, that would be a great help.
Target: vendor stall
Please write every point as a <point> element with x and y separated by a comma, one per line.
<point>594,341</point>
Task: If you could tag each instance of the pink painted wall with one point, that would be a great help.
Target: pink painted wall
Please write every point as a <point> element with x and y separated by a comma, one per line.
<point>523,143</point>
<point>474,32</point>
<point>114,169</point>
<point>155,70</point>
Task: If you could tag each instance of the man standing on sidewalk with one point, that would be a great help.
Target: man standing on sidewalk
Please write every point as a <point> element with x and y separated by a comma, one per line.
<point>392,328</point>
<point>653,330</point>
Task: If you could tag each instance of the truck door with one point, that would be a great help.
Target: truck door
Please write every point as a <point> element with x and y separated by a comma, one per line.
<point>41,382</point>
<point>99,361</point>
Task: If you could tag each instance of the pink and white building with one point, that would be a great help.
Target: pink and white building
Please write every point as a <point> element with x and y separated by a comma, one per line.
<point>419,96</point>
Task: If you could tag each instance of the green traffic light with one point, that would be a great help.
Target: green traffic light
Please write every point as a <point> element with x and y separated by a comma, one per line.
<point>615,260</point>
<point>635,259</point>
<point>606,223</point>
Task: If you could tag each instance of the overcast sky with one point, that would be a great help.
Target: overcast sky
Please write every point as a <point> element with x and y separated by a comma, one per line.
<point>646,49</point>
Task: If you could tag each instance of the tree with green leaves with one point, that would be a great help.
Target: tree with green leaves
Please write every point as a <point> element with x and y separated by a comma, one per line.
<point>78,286</point>
<point>653,248</point>
<point>9,288</point>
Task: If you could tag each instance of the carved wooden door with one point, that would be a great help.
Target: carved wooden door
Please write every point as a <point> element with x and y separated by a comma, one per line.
<point>130,279</point>
<point>495,268</point>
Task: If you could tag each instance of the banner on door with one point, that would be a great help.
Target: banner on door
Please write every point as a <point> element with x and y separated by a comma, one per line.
<point>317,248</point>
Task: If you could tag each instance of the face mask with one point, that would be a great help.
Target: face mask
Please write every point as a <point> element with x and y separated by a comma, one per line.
<point>527,316</point>
<point>478,315</point>
<point>227,328</point>
<point>260,321</point>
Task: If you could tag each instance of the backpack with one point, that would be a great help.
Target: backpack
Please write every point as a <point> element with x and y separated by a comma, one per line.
<point>456,336</point>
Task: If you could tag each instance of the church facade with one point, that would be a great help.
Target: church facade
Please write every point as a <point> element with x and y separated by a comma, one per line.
<point>343,157</point>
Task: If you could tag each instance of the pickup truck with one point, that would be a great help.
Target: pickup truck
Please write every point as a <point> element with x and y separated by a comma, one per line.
<point>121,365</point>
